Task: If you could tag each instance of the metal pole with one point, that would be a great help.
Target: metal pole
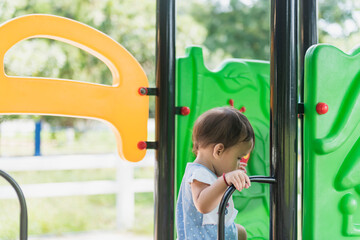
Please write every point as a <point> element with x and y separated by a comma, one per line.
<point>165,120</point>
<point>38,138</point>
<point>308,37</point>
<point>283,119</point>
<point>23,208</point>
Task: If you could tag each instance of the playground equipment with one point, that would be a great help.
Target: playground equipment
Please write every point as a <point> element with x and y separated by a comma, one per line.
<point>245,84</point>
<point>73,98</point>
<point>327,106</point>
<point>25,95</point>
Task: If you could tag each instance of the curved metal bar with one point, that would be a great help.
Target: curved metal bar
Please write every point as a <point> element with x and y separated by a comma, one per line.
<point>23,208</point>
<point>226,197</point>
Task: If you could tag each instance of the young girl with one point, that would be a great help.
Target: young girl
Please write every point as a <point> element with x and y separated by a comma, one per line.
<point>221,137</point>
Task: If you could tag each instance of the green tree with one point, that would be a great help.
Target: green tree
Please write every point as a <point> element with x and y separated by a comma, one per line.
<point>132,25</point>
<point>339,23</point>
<point>225,29</point>
<point>241,28</point>
<point>235,28</point>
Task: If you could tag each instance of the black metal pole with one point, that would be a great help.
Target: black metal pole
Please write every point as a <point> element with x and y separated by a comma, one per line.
<point>226,197</point>
<point>283,119</point>
<point>165,120</point>
<point>23,208</point>
<point>308,37</point>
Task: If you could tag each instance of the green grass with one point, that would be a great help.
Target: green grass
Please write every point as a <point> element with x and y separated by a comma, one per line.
<point>34,177</point>
<point>73,214</point>
<point>77,213</point>
<point>144,213</point>
<point>74,175</point>
<point>88,142</point>
<point>92,141</point>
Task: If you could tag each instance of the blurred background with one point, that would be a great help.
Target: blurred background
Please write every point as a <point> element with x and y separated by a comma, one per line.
<point>69,167</point>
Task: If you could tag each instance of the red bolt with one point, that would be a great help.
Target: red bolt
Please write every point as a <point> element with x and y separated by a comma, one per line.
<point>322,108</point>
<point>143,91</point>
<point>231,102</point>
<point>242,110</point>
<point>185,111</point>
<point>141,145</point>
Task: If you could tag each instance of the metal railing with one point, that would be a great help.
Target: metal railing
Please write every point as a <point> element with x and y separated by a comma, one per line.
<point>23,208</point>
<point>226,197</point>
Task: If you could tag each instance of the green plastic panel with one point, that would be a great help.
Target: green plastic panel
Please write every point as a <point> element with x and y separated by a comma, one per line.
<point>247,84</point>
<point>332,145</point>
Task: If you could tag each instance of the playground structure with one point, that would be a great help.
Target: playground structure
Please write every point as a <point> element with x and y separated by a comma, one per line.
<point>325,100</point>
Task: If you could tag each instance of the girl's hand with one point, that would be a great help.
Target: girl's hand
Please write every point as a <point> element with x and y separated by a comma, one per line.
<point>242,166</point>
<point>238,178</point>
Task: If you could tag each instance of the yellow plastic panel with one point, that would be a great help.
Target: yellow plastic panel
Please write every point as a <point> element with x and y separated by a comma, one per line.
<point>119,104</point>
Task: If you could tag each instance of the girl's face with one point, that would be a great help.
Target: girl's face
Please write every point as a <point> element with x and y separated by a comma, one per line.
<point>228,159</point>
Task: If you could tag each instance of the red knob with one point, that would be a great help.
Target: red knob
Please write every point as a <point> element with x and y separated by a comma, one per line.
<point>185,111</point>
<point>242,110</point>
<point>141,145</point>
<point>231,102</point>
<point>322,108</point>
<point>143,91</point>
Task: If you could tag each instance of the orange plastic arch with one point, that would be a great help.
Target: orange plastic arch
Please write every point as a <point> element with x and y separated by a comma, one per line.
<point>119,104</point>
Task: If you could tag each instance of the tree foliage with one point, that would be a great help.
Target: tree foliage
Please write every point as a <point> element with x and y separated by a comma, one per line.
<point>339,23</point>
<point>132,25</point>
<point>235,28</point>
<point>241,28</point>
<point>225,29</point>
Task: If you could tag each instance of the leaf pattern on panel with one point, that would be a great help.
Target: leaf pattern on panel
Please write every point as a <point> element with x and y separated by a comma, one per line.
<point>348,175</point>
<point>347,120</point>
<point>257,165</point>
<point>255,230</point>
<point>234,77</point>
<point>348,207</point>
<point>264,84</point>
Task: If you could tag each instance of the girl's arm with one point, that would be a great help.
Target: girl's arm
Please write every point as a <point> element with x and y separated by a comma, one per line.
<point>206,197</point>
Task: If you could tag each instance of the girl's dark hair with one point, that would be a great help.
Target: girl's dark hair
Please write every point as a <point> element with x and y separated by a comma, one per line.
<point>225,125</point>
